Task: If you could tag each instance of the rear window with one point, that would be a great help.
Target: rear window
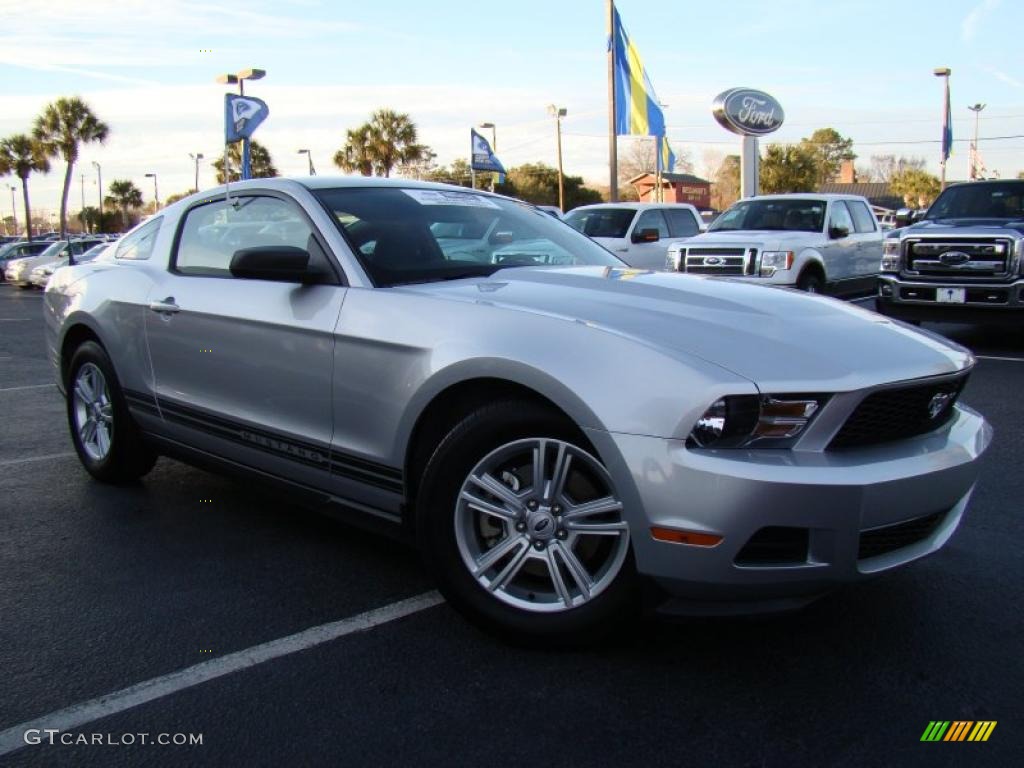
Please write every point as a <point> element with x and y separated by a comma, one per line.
<point>601,222</point>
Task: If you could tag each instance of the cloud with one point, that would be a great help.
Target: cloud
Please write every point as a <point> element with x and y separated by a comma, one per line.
<point>1004,77</point>
<point>969,26</point>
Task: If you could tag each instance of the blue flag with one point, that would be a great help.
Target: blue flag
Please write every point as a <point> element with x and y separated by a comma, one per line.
<point>666,157</point>
<point>637,109</point>
<point>242,116</point>
<point>481,157</point>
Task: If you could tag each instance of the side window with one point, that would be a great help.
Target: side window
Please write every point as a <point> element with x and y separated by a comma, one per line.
<point>652,220</point>
<point>840,216</point>
<point>681,223</point>
<point>138,246</point>
<point>213,232</point>
<point>861,216</point>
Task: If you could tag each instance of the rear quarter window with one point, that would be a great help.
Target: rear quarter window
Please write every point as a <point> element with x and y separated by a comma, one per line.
<point>138,246</point>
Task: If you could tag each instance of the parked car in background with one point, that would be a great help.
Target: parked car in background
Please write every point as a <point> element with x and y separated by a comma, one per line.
<point>20,250</point>
<point>42,272</point>
<point>638,233</point>
<point>553,438</point>
<point>817,243</point>
<point>963,262</point>
<point>19,271</point>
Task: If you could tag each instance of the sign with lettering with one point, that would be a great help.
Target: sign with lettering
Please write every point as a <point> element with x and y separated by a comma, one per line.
<point>748,112</point>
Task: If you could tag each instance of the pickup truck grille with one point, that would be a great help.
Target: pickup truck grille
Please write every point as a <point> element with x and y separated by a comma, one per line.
<point>718,261</point>
<point>898,413</point>
<point>986,257</point>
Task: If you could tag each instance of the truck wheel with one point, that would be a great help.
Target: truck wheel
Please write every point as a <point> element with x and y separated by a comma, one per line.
<point>810,282</point>
<point>523,529</point>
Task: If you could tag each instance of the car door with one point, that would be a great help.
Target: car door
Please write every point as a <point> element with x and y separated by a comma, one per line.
<point>869,239</point>
<point>648,255</point>
<point>839,251</point>
<point>243,367</point>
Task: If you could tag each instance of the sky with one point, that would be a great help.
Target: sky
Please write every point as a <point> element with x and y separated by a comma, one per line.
<point>863,67</point>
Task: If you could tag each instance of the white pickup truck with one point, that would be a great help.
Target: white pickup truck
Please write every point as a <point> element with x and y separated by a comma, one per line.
<point>818,243</point>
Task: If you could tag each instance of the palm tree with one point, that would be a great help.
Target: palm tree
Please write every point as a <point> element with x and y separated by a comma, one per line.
<point>124,196</point>
<point>356,155</point>
<point>20,155</point>
<point>376,147</point>
<point>262,164</point>
<point>393,141</point>
<point>61,128</point>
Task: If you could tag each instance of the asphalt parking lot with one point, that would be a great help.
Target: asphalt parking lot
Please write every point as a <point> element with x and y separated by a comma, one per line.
<point>106,588</point>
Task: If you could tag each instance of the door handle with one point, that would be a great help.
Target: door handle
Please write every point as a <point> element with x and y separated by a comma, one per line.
<point>165,307</point>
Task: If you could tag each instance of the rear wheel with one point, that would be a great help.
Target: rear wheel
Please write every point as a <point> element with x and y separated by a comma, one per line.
<point>106,439</point>
<point>523,528</point>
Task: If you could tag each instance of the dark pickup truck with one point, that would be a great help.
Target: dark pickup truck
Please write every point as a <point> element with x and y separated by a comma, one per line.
<point>962,262</point>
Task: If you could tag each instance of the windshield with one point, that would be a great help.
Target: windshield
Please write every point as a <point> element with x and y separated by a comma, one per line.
<point>601,222</point>
<point>783,215</point>
<point>419,235</point>
<point>980,201</point>
<point>54,250</point>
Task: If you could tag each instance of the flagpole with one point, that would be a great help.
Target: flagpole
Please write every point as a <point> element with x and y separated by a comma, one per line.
<point>613,159</point>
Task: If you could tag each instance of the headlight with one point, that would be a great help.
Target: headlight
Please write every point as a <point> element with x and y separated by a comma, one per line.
<point>891,255</point>
<point>773,261</point>
<point>741,420</point>
<point>673,259</point>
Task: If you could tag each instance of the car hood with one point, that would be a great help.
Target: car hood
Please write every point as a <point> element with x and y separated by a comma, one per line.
<point>779,339</point>
<point>994,227</point>
<point>767,239</point>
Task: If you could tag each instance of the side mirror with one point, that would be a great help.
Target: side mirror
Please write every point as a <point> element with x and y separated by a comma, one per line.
<point>837,233</point>
<point>903,217</point>
<point>646,236</point>
<point>280,263</point>
<point>502,238</point>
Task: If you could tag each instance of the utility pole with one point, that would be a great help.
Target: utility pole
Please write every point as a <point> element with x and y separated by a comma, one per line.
<point>99,181</point>
<point>976,109</point>
<point>613,153</point>
<point>196,157</point>
<point>82,214</point>
<point>947,135</point>
<point>14,209</point>
<point>558,113</point>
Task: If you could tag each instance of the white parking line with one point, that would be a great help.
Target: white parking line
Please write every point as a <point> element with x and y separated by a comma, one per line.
<point>14,319</point>
<point>77,715</point>
<point>12,462</point>
<point>996,357</point>
<point>28,386</point>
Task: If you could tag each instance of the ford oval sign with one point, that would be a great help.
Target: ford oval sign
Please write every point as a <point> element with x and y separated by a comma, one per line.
<point>748,112</point>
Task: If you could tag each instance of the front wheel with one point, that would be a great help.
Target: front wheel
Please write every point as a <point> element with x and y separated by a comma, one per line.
<point>523,528</point>
<point>105,437</point>
<point>810,282</point>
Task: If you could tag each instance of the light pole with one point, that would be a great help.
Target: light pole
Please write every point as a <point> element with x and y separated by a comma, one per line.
<point>976,109</point>
<point>99,182</point>
<point>558,113</point>
<point>14,209</point>
<point>156,194</point>
<point>196,158</point>
<point>947,135</point>
<point>309,157</point>
<point>240,78</point>
<point>494,145</point>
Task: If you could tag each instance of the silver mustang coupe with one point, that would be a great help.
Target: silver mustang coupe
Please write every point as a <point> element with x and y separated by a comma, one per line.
<point>555,430</point>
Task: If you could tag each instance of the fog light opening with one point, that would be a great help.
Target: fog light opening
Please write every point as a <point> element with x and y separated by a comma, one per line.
<point>693,538</point>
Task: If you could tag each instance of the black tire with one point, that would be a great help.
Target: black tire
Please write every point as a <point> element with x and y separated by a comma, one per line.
<point>128,457</point>
<point>473,438</point>
<point>810,282</point>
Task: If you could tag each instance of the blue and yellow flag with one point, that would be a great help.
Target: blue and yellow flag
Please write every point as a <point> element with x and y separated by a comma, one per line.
<point>666,157</point>
<point>947,128</point>
<point>636,106</point>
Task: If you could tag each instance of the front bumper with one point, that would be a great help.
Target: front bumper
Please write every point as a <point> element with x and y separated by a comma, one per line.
<point>918,300</point>
<point>835,497</point>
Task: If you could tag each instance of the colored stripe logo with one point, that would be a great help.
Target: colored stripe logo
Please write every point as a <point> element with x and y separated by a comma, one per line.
<point>958,730</point>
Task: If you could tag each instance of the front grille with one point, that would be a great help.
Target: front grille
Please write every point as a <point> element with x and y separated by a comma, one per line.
<point>983,257</point>
<point>899,413</point>
<point>889,538</point>
<point>718,261</point>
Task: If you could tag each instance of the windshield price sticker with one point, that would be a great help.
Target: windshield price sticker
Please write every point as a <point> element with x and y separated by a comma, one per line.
<point>443,197</point>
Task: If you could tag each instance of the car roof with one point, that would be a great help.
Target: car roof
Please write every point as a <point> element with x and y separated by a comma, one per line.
<point>631,205</point>
<point>805,196</point>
